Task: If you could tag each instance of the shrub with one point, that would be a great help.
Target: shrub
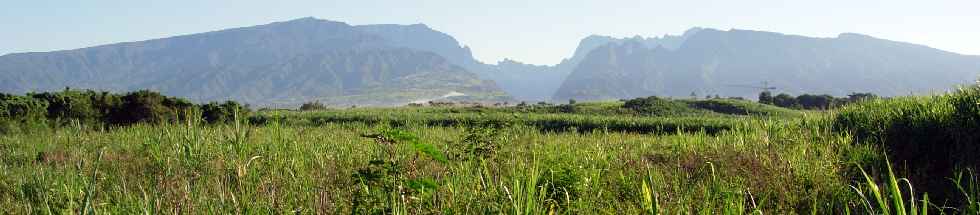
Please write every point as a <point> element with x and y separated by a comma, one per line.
<point>13,106</point>
<point>654,106</point>
<point>822,102</point>
<point>70,105</point>
<point>721,106</point>
<point>785,100</point>
<point>314,105</point>
<point>567,108</point>
<point>149,106</point>
<point>766,98</point>
<point>222,112</point>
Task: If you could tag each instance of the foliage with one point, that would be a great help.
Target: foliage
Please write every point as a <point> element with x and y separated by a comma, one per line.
<point>560,186</point>
<point>765,97</point>
<point>891,199</point>
<point>69,105</point>
<point>932,136</point>
<point>226,112</point>
<point>655,106</point>
<point>812,102</point>
<point>13,106</point>
<point>542,122</point>
<point>785,100</point>
<point>314,105</point>
<point>91,107</point>
<point>739,107</point>
<point>149,107</point>
<point>501,160</point>
<point>479,141</point>
<point>567,108</point>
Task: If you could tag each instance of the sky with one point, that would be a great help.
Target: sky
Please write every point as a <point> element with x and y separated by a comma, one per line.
<point>537,32</point>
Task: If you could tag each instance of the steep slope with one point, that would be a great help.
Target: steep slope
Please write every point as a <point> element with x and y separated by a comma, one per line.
<point>591,43</point>
<point>281,63</point>
<point>522,81</point>
<point>710,61</point>
<point>525,82</point>
<point>421,37</point>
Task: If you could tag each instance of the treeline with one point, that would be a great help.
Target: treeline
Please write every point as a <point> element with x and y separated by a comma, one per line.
<point>812,102</point>
<point>89,106</point>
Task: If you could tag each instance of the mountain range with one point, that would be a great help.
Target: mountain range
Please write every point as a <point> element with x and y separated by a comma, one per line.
<point>712,62</point>
<point>277,64</point>
<point>287,63</point>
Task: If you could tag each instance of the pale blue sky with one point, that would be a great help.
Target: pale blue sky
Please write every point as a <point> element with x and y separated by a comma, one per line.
<point>540,32</point>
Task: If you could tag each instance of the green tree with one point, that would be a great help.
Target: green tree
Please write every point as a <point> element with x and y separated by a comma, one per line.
<point>856,97</point>
<point>314,105</point>
<point>149,106</point>
<point>13,106</point>
<point>222,113</point>
<point>70,105</point>
<point>822,102</point>
<point>785,100</point>
<point>765,97</point>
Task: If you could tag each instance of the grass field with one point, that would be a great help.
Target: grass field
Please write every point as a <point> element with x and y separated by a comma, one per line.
<point>715,157</point>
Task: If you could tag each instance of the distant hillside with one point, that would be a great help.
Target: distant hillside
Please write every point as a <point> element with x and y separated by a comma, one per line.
<point>522,81</point>
<point>540,83</point>
<point>287,63</point>
<point>283,63</point>
<point>711,61</point>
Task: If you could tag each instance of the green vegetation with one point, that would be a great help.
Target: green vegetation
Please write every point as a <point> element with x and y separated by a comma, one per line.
<point>812,102</point>
<point>104,108</point>
<point>929,136</point>
<point>316,105</point>
<point>649,155</point>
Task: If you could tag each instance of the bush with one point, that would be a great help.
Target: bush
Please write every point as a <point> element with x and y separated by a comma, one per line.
<point>149,106</point>
<point>567,108</point>
<point>654,106</point>
<point>222,113</point>
<point>104,107</point>
<point>20,107</point>
<point>722,106</point>
<point>70,105</point>
<point>314,105</point>
<point>766,98</point>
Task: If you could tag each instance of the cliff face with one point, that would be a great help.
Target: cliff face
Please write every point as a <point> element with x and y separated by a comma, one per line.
<point>710,61</point>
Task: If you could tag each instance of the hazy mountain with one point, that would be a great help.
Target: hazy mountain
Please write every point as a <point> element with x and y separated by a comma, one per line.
<point>711,61</point>
<point>540,83</point>
<point>286,63</point>
<point>282,63</point>
<point>522,81</point>
<point>421,37</point>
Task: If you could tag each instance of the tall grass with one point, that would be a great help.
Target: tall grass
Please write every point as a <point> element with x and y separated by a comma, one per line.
<point>286,168</point>
<point>928,137</point>
<point>891,198</point>
<point>437,161</point>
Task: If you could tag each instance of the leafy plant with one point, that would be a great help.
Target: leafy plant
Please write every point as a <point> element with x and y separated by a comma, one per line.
<point>560,186</point>
<point>891,199</point>
<point>478,141</point>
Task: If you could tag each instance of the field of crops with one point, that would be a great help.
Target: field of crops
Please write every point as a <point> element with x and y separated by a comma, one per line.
<point>593,158</point>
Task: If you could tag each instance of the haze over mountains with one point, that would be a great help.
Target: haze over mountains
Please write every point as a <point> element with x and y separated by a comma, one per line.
<point>712,62</point>
<point>284,63</point>
<point>287,63</point>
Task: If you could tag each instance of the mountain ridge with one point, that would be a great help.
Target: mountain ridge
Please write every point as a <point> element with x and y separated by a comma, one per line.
<point>208,62</point>
<point>800,64</point>
<point>699,60</point>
